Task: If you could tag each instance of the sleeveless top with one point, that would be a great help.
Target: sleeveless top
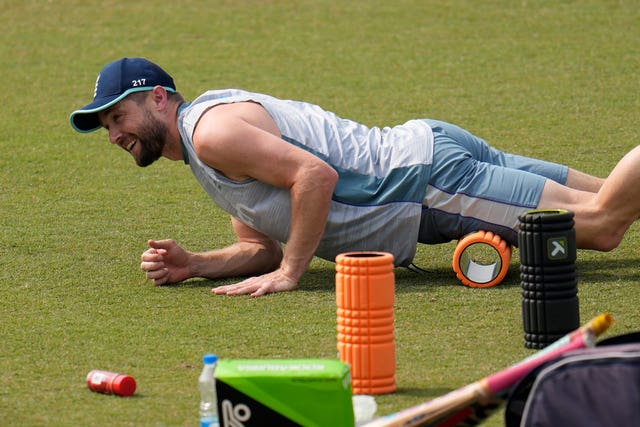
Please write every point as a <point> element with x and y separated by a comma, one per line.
<point>383,175</point>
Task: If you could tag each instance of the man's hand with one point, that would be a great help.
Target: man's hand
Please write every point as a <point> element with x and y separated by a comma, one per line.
<point>165,262</point>
<point>276,281</point>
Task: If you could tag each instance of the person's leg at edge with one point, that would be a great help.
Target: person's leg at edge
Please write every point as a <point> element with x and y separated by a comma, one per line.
<point>582,181</point>
<point>602,218</point>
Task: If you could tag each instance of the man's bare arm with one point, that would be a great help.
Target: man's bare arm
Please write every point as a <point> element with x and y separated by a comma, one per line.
<point>241,141</point>
<point>167,262</point>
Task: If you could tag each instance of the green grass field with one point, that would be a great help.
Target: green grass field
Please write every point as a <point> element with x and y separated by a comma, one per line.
<point>552,79</point>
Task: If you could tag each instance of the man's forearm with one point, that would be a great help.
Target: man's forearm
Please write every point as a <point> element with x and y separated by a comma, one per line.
<point>310,203</point>
<point>239,259</point>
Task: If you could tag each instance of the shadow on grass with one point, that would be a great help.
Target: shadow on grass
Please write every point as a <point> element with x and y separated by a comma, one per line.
<point>600,270</point>
<point>197,284</point>
<point>408,281</point>
<point>317,280</point>
<point>607,270</point>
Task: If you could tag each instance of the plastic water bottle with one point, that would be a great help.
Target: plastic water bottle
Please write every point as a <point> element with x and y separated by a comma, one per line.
<point>208,398</point>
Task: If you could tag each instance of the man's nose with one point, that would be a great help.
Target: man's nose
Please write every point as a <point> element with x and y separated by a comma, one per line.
<point>114,135</point>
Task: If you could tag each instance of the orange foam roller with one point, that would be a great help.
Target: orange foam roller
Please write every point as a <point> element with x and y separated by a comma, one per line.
<point>365,330</point>
<point>365,294</point>
<point>370,315</point>
<point>365,339</point>
<point>484,274</point>
<point>359,319</point>
<point>371,370</point>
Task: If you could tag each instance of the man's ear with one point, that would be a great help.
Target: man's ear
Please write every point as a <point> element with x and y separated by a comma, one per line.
<point>159,96</point>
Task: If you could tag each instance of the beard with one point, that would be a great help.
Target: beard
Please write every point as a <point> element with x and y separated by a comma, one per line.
<point>152,138</point>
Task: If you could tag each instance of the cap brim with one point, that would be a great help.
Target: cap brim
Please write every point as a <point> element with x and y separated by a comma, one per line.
<point>85,119</point>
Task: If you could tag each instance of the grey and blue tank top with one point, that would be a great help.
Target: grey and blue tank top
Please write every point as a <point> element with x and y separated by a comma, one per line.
<point>383,174</point>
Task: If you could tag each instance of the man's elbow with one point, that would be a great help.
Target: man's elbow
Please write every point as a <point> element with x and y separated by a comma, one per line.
<point>331,178</point>
<point>271,256</point>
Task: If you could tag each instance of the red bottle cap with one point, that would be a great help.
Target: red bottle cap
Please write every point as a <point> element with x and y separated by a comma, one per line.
<point>124,385</point>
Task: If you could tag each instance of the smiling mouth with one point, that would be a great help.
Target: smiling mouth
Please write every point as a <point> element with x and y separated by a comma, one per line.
<point>130,146</point>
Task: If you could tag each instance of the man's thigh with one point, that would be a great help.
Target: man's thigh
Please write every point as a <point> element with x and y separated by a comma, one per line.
<point>476,187</point>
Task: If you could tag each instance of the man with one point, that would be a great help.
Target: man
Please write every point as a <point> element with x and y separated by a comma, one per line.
<point>291,172</point>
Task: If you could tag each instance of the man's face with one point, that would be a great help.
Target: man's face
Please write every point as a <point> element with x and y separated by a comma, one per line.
<point>134,128</point>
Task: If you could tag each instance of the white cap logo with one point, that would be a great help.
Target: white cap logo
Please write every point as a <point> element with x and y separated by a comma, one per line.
<point>95,90</point>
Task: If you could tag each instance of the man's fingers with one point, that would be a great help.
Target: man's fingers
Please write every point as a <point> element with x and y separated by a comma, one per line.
<point>151,265</point>
<point>233,290</point>
<point>153,255</point>
<point>246,287</point>
<point>258,286</point>
<point>259,292</point>
<point>152,262</point>
<point>157,273</point>
<point>160,282</point>
<point>160,244</point>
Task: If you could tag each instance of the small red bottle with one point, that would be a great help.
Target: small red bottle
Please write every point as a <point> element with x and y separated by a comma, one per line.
<point>111,383</point>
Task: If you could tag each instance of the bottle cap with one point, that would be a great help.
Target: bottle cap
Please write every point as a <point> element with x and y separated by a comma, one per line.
<point>209,359</point>
<point>124,385</point>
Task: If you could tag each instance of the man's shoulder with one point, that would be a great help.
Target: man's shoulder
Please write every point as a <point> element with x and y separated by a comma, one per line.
<point>228,96</point>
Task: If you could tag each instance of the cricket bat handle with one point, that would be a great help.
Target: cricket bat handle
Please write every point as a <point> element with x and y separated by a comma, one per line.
<point>433,410</point>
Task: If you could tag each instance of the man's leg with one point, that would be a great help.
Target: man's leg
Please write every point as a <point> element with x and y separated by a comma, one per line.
<point>582,181</point>
<point>476,187</point>
<point>464,193</point>
<point>602,218</point>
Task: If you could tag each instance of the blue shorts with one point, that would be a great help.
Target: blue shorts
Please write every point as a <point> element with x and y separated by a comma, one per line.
<point>474,186</point>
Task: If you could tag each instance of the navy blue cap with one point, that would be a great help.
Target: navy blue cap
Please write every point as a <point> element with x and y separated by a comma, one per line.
<point>117,80</point>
